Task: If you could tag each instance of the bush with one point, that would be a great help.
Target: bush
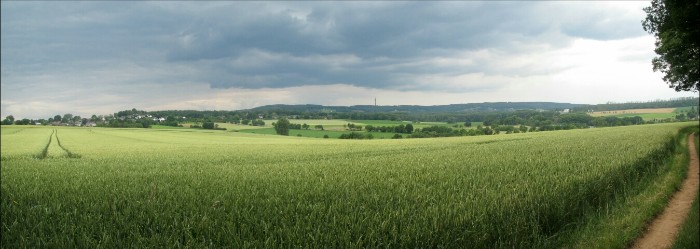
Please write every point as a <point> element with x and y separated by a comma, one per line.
<point>208,125</point>
<point>352,135</point>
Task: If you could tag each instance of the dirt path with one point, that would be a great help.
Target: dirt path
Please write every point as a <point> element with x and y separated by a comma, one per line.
<point>663,230</point>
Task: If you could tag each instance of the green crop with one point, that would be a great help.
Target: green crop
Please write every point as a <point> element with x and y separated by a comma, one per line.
<point>183,187</point>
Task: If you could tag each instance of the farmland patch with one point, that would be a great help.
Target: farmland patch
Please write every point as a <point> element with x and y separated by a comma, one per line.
<point>236,190</point>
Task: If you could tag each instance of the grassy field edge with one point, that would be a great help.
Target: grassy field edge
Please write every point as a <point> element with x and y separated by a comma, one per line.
<point>626,218</point>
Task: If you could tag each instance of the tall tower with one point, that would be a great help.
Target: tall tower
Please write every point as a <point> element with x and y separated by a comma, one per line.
<point>375,101</point>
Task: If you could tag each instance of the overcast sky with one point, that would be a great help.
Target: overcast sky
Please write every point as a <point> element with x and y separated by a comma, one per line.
<point>101,57</point>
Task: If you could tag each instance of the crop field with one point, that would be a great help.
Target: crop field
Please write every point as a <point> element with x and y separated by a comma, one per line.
<point>114,188</point>
<point>646,114</point>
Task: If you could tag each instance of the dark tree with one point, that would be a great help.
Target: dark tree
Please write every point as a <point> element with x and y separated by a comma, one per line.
<point>24,121</point>
<point>282,126</point>
<point>258,122</point>
<point>8,120</point>
<point>676,25</point>
<point>400,129</point>
<point>208,125</point>
<point>67,118</point>
<point>409,128</point>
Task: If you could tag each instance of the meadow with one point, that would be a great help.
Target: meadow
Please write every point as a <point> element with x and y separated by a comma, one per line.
<point>107,187</point>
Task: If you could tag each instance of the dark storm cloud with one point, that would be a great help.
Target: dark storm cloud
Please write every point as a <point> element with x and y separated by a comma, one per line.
<point>272,45</point>
<point>397,30</point>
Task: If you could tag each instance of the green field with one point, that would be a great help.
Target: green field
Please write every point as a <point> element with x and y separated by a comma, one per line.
<point>115,188</point>
<point>651,116</point>
<point>330,125</point>
<point>318,133</point>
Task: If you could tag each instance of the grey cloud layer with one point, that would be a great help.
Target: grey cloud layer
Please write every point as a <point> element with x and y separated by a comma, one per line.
<point>271,45</point>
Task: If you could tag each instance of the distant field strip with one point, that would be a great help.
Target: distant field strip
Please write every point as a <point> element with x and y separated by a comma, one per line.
<point>646,114</point>
<point>632,111</point>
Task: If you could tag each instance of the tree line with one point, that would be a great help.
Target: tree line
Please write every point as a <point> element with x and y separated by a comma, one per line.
<point>610,106</point>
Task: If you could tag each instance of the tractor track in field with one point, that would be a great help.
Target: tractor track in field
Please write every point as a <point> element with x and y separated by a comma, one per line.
<point>68,152</point>
<point>662,231</point>
<point>45,152</point>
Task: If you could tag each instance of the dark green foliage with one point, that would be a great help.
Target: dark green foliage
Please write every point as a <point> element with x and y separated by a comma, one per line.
<point>208,125</point>
<point>693,113</point>
<point>353,127</point>
<point>523,128</point>
<point>356,135</point>
<point>8,120</point>
<point>676,25</point>
<point>282,126</point>
<point>22,121</point>
<point>372,112</point>
<point>118,123</point>
<point>525,113</point>
<point>391,129</point>
<point>408,128</point>
<point>170,121</point>
<point>258,122</point>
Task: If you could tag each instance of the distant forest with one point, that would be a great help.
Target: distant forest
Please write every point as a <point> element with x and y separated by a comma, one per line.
<point>456,113</point>
<point>679,102</point>
<point>471,107</point>
<point>539,114</point>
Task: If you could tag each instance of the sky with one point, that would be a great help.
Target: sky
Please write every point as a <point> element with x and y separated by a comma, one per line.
<point>102,57</point>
